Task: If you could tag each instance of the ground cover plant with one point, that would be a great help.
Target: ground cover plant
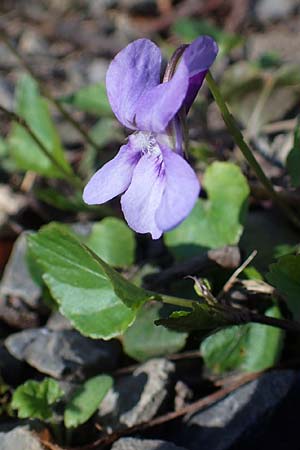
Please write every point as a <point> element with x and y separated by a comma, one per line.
<point>138,322</point>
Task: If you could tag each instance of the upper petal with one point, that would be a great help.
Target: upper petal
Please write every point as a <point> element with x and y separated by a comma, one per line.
<point>157,106</point>
<point>134,70</point>
<point>143,197</point>
<point>180,193</point>
<point>113,178</point>
<point>198,57</point>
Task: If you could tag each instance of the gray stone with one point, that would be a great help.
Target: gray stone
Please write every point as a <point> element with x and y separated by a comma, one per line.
<point>16,280</point>
<point>64,353</point>
<point>58,322</point>
<point>275,9</point>
<point>6,94</point>
<point>223,424</point>
<point>19,439</point>
<point>144,444</point>
<point>32,43</point>
<point>20,296</point>
<point>137,398</point>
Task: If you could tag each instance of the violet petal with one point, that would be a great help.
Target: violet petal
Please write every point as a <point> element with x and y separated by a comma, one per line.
<point>181,191</point>
<point>134,70</point>
<point>113,178</point>
<point>157,106</point>
<point>198,57</point>
<point>142,198</point>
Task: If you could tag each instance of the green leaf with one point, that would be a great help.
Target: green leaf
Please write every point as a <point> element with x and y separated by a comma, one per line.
<point>293,159</point>
<point>34,399</point>
<point>7,163</point>
<point>215,222</point>
<point>59,200</point>
<point>251,273</point>
<point>202,318</point>
<point>285,276</point>
<point>144,340</point>
<point>113,241</point>
<point>252,347</point>
<point>24,150</point>
<point>91,99</point>
<point>86,400</point>
<point>94,297</point>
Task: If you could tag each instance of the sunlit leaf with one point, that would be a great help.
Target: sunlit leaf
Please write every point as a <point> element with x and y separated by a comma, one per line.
<point>24,150</point>
<point>250,347</point>
<point>34,399</point>
<point>215,222</point>
<point>86,400</point>
<point>94,297</point>
<point>113,241</point>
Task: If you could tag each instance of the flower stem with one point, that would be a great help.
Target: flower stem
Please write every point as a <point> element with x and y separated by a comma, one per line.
<point>247,152</point>
<point>234,316</point>
<point>176,301</point>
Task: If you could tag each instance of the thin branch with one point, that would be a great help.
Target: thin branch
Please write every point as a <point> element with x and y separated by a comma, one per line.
<point>240,316</point>
<point>188,409</point>
<point>281,125</point>
<point>237,272</point>
<point>45,92</point>
<point>232,315</point>
<point>75,181</point>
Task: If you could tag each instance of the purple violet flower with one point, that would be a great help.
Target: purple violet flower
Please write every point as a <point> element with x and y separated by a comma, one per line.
<point>158,185</point>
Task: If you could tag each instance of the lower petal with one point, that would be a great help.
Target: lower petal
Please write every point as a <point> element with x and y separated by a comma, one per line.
<point>181,191</point>
<point>113,178</point>
<point>143,197</point>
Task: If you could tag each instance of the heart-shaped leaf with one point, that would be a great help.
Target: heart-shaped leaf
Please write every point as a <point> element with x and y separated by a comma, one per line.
<point>144,340</point>
<point>113,241</point>
<point>86,400</point>
<point>251,347</point>
<point>215,222</point>
<point>94,297</point>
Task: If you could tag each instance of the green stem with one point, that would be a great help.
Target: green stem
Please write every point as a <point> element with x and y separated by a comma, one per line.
<point>71,177</point>
<point>234,316</point>
<point>247,152</point>
<point>176,301</point>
